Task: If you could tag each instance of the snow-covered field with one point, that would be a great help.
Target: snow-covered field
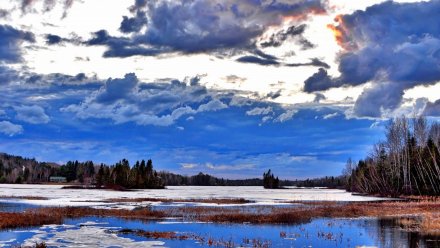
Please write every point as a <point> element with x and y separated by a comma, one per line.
<point>90,197</point>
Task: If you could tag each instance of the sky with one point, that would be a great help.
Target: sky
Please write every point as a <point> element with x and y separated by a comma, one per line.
<point>229,88</point>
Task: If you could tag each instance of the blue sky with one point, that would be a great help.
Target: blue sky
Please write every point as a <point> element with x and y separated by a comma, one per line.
<point>230,88</point>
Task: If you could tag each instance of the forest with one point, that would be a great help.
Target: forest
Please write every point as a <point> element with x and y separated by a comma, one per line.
<point>16,169</point>
<point>407,162</point>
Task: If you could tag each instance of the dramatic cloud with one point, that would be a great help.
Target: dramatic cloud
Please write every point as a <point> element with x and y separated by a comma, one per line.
<point>161,104</point>
<point>31,114</point>
<point>202,26</point>
<point>257,60</point>
<point>277,39</point>
<point>393,46</point>
<point>432,108</point>
<point>53,39</point>
<point>134,24</point>
<point>10,129</point>
<point>10,40</point>
<point>121,46</point>
<point>116,89</point>
<point>267,59</point>
<point>292,32</point>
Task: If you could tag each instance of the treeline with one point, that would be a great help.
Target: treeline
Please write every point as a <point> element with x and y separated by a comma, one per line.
<point>140,176</point>
<point>202,179</point>
<point>407,162</point>
<point>16,169</point>
<point>327,182</point>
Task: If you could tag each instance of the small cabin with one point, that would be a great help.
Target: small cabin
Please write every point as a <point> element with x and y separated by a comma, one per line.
<point>57,179</point>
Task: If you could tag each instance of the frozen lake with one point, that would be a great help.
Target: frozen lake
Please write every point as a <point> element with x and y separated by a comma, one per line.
<point>91,197</point>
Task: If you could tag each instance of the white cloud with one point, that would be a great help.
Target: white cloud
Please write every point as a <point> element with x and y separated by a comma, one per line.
<point>329,116</point>
<point>188,165</point>
<point>286,115</point>
<point>31,114</point>
<point>259,111</point>
<point>229,167</point>
<point>10,129</point>
<point>213,105</point>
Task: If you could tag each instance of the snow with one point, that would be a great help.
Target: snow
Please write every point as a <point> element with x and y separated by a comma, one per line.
<point>88,235</point>
<point>93,197</point>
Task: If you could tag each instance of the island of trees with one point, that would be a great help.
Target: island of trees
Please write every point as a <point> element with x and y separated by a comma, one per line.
<point>407,162</point>
<point>270,181</point>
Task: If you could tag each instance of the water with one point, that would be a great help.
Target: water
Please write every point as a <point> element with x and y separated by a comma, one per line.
<point>103,232</point>
<point>11,206</point>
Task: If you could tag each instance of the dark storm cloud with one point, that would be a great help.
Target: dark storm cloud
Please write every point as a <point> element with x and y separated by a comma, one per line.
<point>380,98</point>
<point>155,103</point>
<point>200,26</point>
<point>319,97</point>
<point>3,13</point>
<point>257,60</point>
<point>133,24</point>
<point>121,46</point>
<point>274,94</point>
<point>319,81</point>
<point>313,62</point>
<point>7,75</point>
<point>10,39</point>
<point>115,89</point>
<point>396,43</point>
<point>432,108</point>
<point>53,39</point>
<point>278,38</point>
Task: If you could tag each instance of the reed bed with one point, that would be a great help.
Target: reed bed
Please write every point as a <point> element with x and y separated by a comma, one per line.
<point>423,215</point>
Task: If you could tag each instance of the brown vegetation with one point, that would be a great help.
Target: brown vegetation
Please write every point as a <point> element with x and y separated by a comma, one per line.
<point>56,215</point>
<point>208,200</point>
<point>421,215</point>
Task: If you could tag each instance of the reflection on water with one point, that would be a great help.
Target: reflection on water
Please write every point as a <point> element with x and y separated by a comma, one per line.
<point>8,206</point>
<point>389,234</point>
<point>103,232</point>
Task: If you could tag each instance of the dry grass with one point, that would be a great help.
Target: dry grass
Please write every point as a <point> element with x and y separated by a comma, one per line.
<point>55,215</point>
<point>14,220</point>
<point>167,200</point>
<point>431,223</point>
<point>421,215</point>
